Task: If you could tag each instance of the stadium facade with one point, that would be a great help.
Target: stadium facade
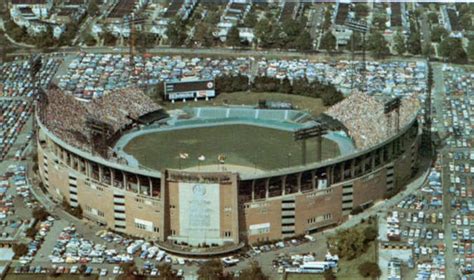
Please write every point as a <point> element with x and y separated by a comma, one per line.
<point>224,208</point>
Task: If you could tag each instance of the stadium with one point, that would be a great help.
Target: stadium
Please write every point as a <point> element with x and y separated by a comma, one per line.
<point>222,176</point>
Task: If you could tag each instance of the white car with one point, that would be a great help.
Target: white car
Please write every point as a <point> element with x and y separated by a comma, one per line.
<point>116,270</point>
<point>74,269</point>
<point>154,272</point>
<point>103,272</point>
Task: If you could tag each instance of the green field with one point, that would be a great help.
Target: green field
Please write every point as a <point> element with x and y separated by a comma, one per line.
<point>348,270</point>
<point>313,105</point>
<point>244,145</point>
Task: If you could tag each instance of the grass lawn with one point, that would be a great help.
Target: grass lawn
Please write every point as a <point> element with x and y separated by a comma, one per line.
<point>312,105</point>
<point>350,269</point>
<point>244,145</point>
<point>296,276</point>
<point>347,269</point>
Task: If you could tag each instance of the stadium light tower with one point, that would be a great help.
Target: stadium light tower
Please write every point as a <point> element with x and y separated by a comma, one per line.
<point>316,130</point>
<point>390,106</point>
<point>35,68</point>
<point>361,27</point>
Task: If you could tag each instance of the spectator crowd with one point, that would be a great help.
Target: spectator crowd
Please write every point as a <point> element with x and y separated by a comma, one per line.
<point>66,117</point>
<point>363,115</point>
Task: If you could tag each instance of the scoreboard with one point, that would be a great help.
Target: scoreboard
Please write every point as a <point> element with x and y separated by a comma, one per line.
<point>179,90</point>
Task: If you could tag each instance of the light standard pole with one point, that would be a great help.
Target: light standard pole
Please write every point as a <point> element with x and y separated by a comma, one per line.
<point>288,157</point>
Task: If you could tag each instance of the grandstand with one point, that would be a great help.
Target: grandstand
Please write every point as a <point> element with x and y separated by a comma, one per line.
<point>370,111</point>
<point>248,113</point>
<point>273,195</point>
<point>67,117</point>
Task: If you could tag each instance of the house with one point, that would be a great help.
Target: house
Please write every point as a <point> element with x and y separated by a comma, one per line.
<point>74,3</point>
<point>69,14</point>
<point>40,8</point>
<point>236,11</point>
<point>290,10</point>
<point>180,8</point>
<point>58,30</point>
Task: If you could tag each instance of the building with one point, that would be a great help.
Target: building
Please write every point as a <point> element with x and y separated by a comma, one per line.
<point>179,208</point>
<point>40,8</point>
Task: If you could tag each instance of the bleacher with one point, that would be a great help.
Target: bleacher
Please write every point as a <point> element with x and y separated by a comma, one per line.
<point>248,113</point>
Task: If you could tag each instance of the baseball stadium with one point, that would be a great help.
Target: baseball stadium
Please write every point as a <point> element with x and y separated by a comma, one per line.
<point>220,177</point>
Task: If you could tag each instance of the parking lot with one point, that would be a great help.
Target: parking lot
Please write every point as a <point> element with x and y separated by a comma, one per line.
<point>436,224</point>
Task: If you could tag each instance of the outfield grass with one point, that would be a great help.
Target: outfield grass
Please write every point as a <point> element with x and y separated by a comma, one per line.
<point>313,105</point>
<point>244,145</point>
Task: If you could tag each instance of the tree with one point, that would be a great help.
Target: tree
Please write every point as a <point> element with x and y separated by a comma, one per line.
<point>399,43</point>
<point>89,40</point>
<point>451,49</point>
<point>229,83</point>
<point>370,234</point>
<point>438,33</point>
<point>93,8</point>
<point>176,32</point>
<point>465,21</point>
<point>427,49</point>
<point>329,275</point>
<point>302,43</point>
<point>377,44</point>
<point>328,42</point>
<point>233,37</point>
<point>292,28</point>
<point>265,84</point>
<point>166,272</point>
<point>361,10</point>
<point>253,272</point>
<point>213,17</point>
<point>347,244</point>
<point>327,19</point>
<point>470,50</point>
<point>331,96</point>
<point>20,249</point>
<point>145,40</point>
<point>31,232</point>
<point>414,43</point>
<point>203,34</point>
<point>285,86</point>
<point>433,18</point>
<point>40,214</point>
<point>251,19</point>
<point>211,270</point>
<point>130,272</point>
<point>109,39</point>
<point>160,90</point>
<point>263,31</point>
<point>358,42</point>
<point>379,21</point>
<point>370,269</point>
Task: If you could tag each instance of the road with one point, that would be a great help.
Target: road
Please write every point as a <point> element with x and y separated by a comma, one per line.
<point>425,28</point>
<point>221,52</point>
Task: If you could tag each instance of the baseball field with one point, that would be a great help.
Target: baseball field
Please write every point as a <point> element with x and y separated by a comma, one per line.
<point>241,145</point>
